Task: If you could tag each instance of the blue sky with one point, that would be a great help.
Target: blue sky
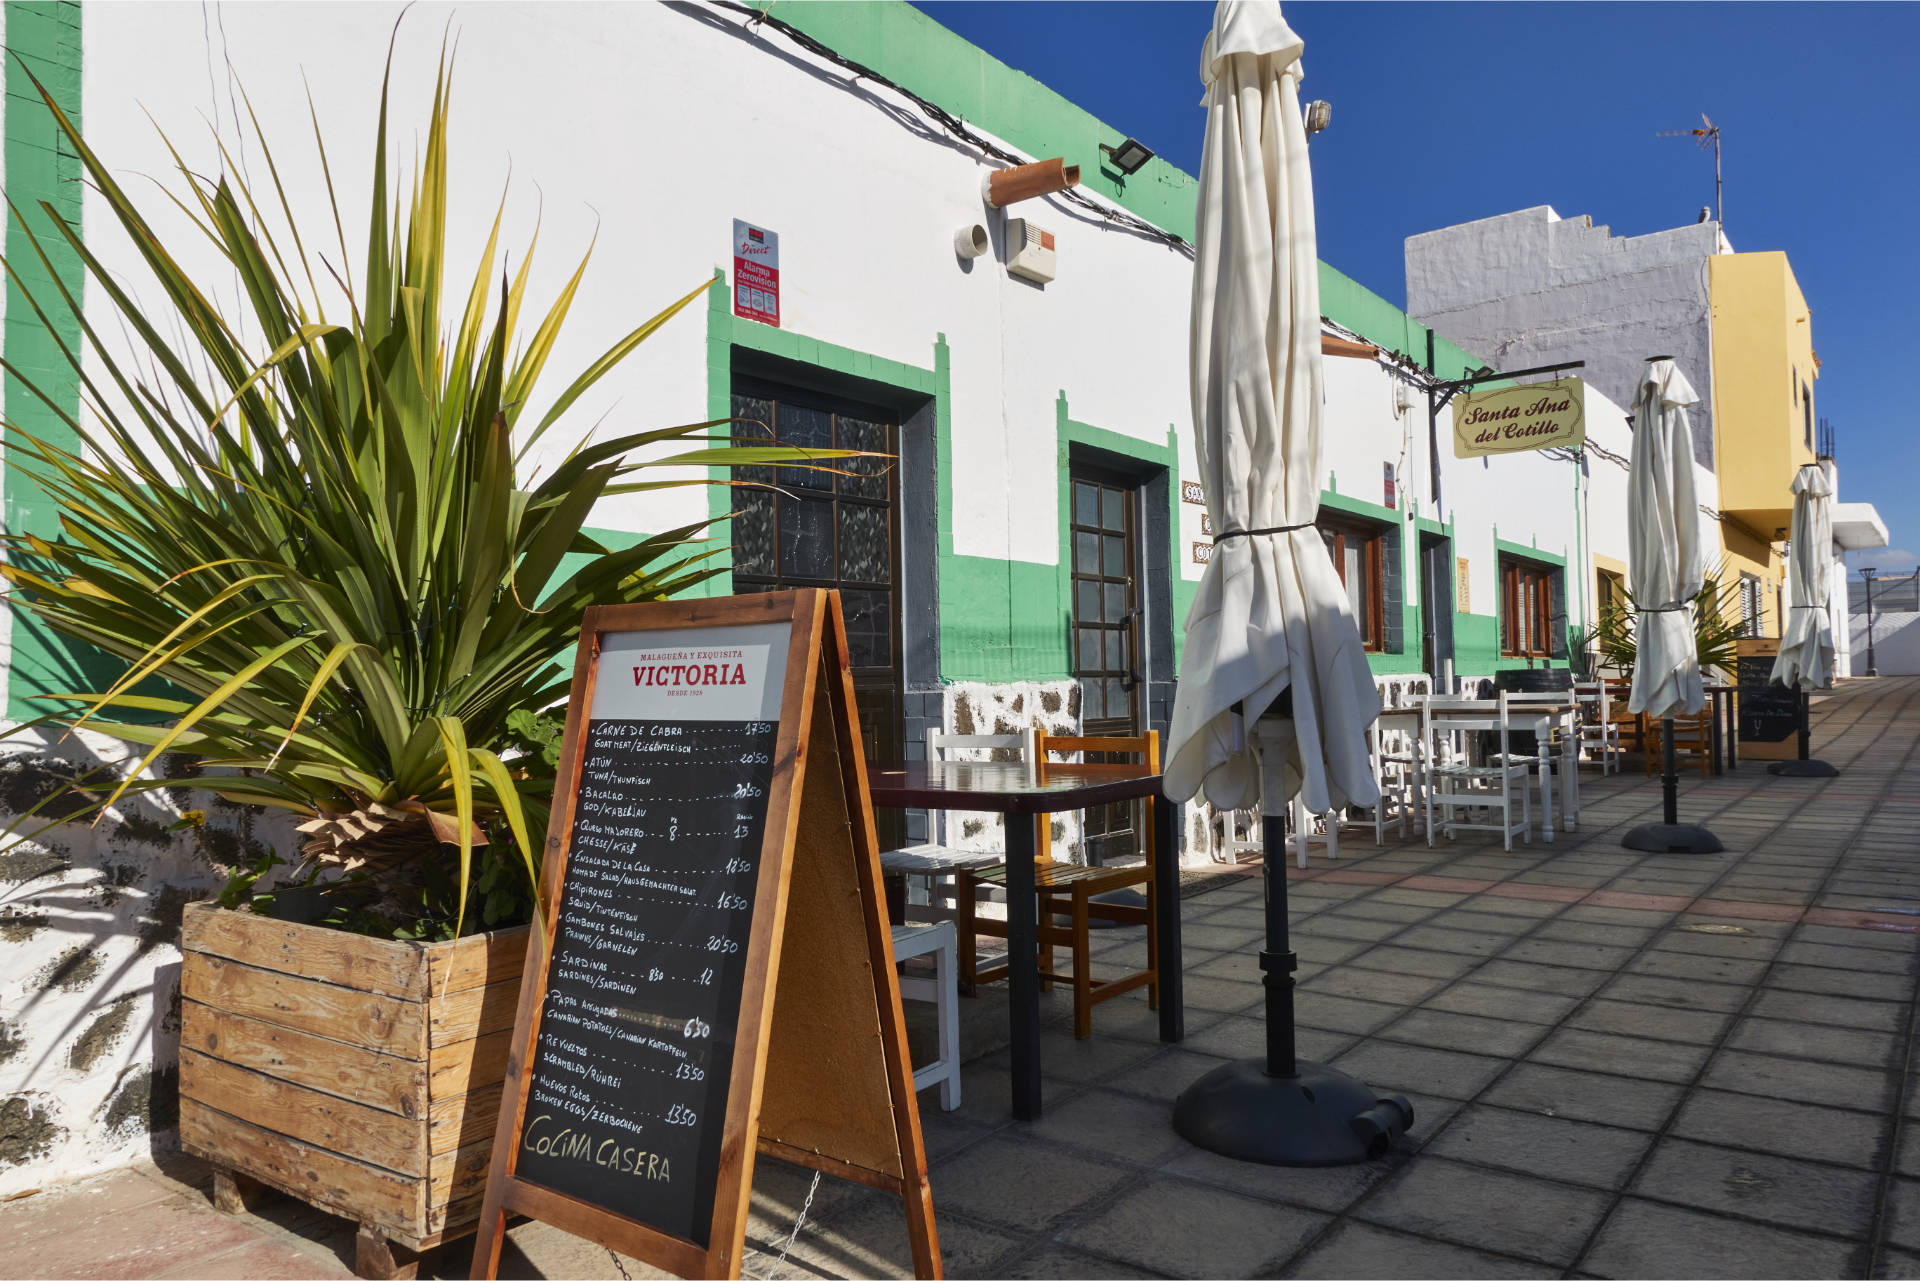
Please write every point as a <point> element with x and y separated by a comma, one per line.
<point>1444,113</point>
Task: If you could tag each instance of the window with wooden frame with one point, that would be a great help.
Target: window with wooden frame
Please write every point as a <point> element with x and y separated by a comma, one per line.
<point>1526,608</point>
<point>1612,592</point>
<point>1357,549</point>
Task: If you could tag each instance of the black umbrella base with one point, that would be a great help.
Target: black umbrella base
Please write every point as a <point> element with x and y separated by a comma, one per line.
<point>1803,769</point>
<point>1320,1117</point>
<point>1672,838</point>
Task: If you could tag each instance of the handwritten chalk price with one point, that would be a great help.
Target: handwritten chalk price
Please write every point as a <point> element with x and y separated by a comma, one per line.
<point>717,944</point>
<point>731,903</point>
<point>706,976</point>
<point>735,866</point>
<point>696,1028</point>
<point>688,1072</point>
<point>681,1114</point>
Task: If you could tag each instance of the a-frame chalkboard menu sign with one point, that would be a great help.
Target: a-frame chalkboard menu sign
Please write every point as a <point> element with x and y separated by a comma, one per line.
<point>715,978</point>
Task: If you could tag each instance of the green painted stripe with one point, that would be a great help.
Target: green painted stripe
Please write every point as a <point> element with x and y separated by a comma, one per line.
<point>42,38</point>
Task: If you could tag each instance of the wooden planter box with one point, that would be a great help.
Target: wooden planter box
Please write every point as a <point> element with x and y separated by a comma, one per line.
<point>359,1075</point>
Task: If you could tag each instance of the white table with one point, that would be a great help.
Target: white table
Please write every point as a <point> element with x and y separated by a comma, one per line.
<point>1543,717</point>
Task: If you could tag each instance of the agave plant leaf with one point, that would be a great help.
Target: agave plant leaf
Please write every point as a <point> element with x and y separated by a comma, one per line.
<point>1717,625</point>
<point>312,515</point>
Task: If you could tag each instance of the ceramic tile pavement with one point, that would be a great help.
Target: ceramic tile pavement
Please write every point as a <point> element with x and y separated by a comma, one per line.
<point>1621,1064</point>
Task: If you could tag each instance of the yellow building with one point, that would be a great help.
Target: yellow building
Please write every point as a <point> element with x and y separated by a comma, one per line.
<point>1764,372</point>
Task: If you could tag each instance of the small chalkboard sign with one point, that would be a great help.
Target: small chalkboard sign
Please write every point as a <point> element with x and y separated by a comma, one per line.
<point>1769,713</point>
<point>712,814</point>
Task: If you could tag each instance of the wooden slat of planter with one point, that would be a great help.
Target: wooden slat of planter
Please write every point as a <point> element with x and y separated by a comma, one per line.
<point>467,1065</point>
<point>474,1012</point>
<point>460,1173</point>
<point>380,1138</point>
<point>350,1072</point>
<point>331,956</point>
<point>382,1023</point>
<point>311,1174</point>
<point>458,1122</point>
<point>456,1219</point>
<point>478,961</point>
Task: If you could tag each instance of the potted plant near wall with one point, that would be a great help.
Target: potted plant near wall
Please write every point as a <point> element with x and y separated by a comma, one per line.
<point>311,534</point>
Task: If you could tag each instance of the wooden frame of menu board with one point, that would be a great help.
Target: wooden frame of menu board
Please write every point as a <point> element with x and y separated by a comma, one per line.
<point>818,1072</point>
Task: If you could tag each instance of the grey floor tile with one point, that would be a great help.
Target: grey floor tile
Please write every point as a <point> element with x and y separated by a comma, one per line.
<point>1387,1066</point>
<point>1800,1080</point>
<point>1361,1250</point>
<point>1184,1229</point>
<point>1832,982</point>
<point>1700,969</point>
<point>1558,979</point>
<point>1642,1239</point>
<point>1059,1261</point>
<point>1817,1041</point>
<point>1224,996</point>
<point>1332,1188</point>
<point>1471,1033</point>
<point>1488,1209</point>
<point>1164,1075</point>
<point>976,1182</point>
<point>1852,959</point>
<point>1902,1225</point>
<point>1749,947</point>
<point>1600,1156</point>
<point>872,1242</point>
<point>1394,913</point>
<point>1488,922</point>
<point>1503,1003</point>
<point>1885,940</point>
<point>1750,1185</point>
<point>1782,1126</point>
<point>1621,1055</point>
<point>1679,993</point>
<point>1840,1011</point>
<point>1660,1022</point>
<point>1586,1096</point>
<point>1123,1127</point>
<point>1565,930</point>
<point>1207,936</point>
<point>1342,1014</point>
<point>1067,1058</point>
<point>1890,1263</point>
<point>1547,951</point>
<point>1241,1037</point>
<point>1411,960</point>
<point>1336,925</point>
<point>1439,938</point>
<point>1374,985</point>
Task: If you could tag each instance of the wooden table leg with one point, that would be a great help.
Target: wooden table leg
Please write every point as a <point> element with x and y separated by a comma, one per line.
<point>1023,981</point>
<point>1166,906</point>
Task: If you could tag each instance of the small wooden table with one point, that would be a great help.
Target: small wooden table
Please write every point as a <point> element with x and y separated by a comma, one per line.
<point>1013,789</point>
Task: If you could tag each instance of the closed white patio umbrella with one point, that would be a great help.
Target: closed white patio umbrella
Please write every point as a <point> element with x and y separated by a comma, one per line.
<point>1805,660</point>
<point>1271,621</point>
<point>1667,568</point>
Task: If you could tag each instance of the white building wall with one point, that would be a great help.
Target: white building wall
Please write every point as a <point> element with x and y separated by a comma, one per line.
<point>1532,288</point>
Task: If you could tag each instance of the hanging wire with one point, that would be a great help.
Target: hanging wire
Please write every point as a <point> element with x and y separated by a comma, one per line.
<point>759,18</point>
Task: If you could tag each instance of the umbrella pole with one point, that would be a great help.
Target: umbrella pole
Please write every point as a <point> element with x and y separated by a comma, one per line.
<point>1805,767</point>
<point>1670,836</point>
<point>1278,1110</point>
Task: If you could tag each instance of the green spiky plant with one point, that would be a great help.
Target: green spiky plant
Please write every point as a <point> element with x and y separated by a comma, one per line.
<point>313,541</point>
<point>1717,625</point>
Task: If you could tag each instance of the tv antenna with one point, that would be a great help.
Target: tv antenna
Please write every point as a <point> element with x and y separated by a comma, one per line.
<point>1708,136</point>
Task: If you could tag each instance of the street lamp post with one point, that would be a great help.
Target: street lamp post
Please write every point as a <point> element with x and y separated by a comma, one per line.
<point>1867,573</point>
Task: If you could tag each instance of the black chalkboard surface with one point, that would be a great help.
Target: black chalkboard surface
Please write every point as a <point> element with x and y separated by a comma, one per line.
<point>713,976</point>
<point>1769,713</point>
<point>637,1037</point>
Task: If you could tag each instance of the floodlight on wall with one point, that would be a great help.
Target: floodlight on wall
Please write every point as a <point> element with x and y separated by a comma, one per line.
<point>971,240</point>
<point>1318,115</point>
<point>1128,156</point>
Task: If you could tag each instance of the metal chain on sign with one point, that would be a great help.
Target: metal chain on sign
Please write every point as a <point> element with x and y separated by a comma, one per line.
<point>627,1276</point>
<point>798,1220</point>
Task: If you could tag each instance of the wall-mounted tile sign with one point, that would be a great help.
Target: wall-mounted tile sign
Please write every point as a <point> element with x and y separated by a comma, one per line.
<point>1192,491</point>
<point>1202,553</point>
<point>756,273</point>
<point>1206,524</point>
<point>1388,469</point>
<point>1460,604</point>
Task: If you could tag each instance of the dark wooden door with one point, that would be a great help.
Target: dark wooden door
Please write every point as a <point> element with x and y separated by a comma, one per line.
<point>1107,591</point>
<point>835,528</point>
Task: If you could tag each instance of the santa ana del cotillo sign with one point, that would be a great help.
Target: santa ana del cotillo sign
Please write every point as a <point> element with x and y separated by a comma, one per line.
<point>1510,419</point>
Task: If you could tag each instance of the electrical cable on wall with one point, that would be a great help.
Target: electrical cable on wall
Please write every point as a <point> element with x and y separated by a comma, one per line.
<point>758,18</point>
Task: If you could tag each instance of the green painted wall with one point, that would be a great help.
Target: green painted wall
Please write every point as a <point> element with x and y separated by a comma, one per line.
<point>42,38</point>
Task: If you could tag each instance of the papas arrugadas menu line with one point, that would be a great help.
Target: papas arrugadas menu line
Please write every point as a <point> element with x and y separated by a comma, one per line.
<point>628,1096</point>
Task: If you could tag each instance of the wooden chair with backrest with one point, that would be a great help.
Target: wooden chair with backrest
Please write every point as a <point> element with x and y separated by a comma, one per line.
<point>1692,736</point>
<point>1070,888</point>
<point>1630,728</point>
<point>941,858</point>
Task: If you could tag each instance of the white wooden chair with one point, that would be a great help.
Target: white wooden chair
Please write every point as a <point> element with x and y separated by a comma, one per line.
<point>1306,835</point>
<point>1598,734</point>
<point>940,858</point>
<point>1496,787</point>
<point>1550,764</point>
<point>943,989</point>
